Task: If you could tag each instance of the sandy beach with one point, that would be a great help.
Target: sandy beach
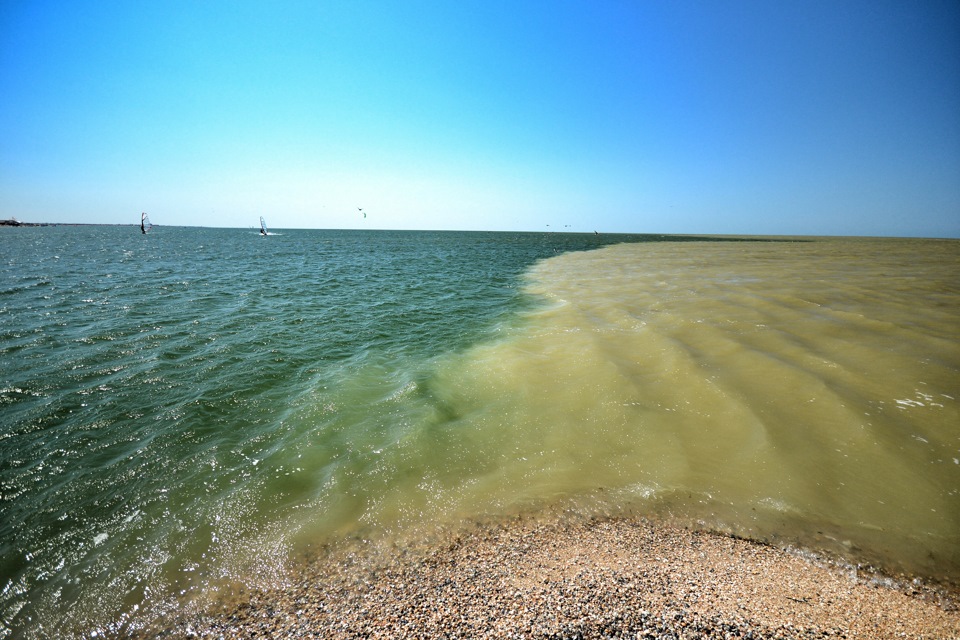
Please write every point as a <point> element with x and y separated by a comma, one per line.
<point>562,577</point>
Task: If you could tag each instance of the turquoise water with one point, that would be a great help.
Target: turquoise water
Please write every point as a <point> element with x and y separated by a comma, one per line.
<point>193,406</point>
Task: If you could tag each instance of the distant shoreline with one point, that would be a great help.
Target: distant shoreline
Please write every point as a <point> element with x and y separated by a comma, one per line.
<point>16,223</point>
<point>12,222</point>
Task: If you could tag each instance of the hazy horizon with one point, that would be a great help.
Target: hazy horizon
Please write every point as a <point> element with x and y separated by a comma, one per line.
<point>692,234</point>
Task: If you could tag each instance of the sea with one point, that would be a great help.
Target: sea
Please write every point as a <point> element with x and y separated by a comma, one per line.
<point>195,407</point>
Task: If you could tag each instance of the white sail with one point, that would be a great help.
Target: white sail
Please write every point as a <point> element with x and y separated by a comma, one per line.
<point>263,227</point>
<point>145,222</point>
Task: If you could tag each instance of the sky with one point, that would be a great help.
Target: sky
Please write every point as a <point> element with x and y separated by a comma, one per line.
<point>811,117</point>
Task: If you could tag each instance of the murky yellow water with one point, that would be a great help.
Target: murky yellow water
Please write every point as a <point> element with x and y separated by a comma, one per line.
<point>798,391</point>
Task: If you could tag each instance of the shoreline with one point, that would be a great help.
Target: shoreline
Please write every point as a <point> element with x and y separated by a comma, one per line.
<point>557,576</point>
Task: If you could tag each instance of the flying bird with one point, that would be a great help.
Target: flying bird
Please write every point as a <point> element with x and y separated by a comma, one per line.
<point>362,211</point>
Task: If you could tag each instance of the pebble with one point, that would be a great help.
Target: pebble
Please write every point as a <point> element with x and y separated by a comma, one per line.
<point>572,578</point>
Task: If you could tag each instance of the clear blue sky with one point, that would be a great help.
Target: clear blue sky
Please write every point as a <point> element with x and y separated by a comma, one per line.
<point>837,117</point>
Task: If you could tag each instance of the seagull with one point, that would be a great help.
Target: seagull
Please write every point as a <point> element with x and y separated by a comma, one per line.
<point>362,211</point>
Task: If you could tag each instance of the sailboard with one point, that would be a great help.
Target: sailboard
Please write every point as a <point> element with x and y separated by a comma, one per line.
<point>263,227</point>
<point>145,223</point>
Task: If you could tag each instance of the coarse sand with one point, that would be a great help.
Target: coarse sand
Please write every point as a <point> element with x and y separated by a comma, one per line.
<point>581,577</point>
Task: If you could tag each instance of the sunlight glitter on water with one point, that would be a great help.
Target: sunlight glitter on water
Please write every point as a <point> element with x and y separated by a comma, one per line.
<point>206,426</point>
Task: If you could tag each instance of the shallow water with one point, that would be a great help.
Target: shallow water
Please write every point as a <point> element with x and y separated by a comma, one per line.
<point>801,392</point>
<point>193,405</point>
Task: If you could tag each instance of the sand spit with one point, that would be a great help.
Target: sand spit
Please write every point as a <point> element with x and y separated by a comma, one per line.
<point>586,578</point>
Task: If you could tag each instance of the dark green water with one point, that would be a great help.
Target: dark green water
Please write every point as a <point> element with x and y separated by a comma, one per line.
<point>190,407</point>
<point>167,399</point>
